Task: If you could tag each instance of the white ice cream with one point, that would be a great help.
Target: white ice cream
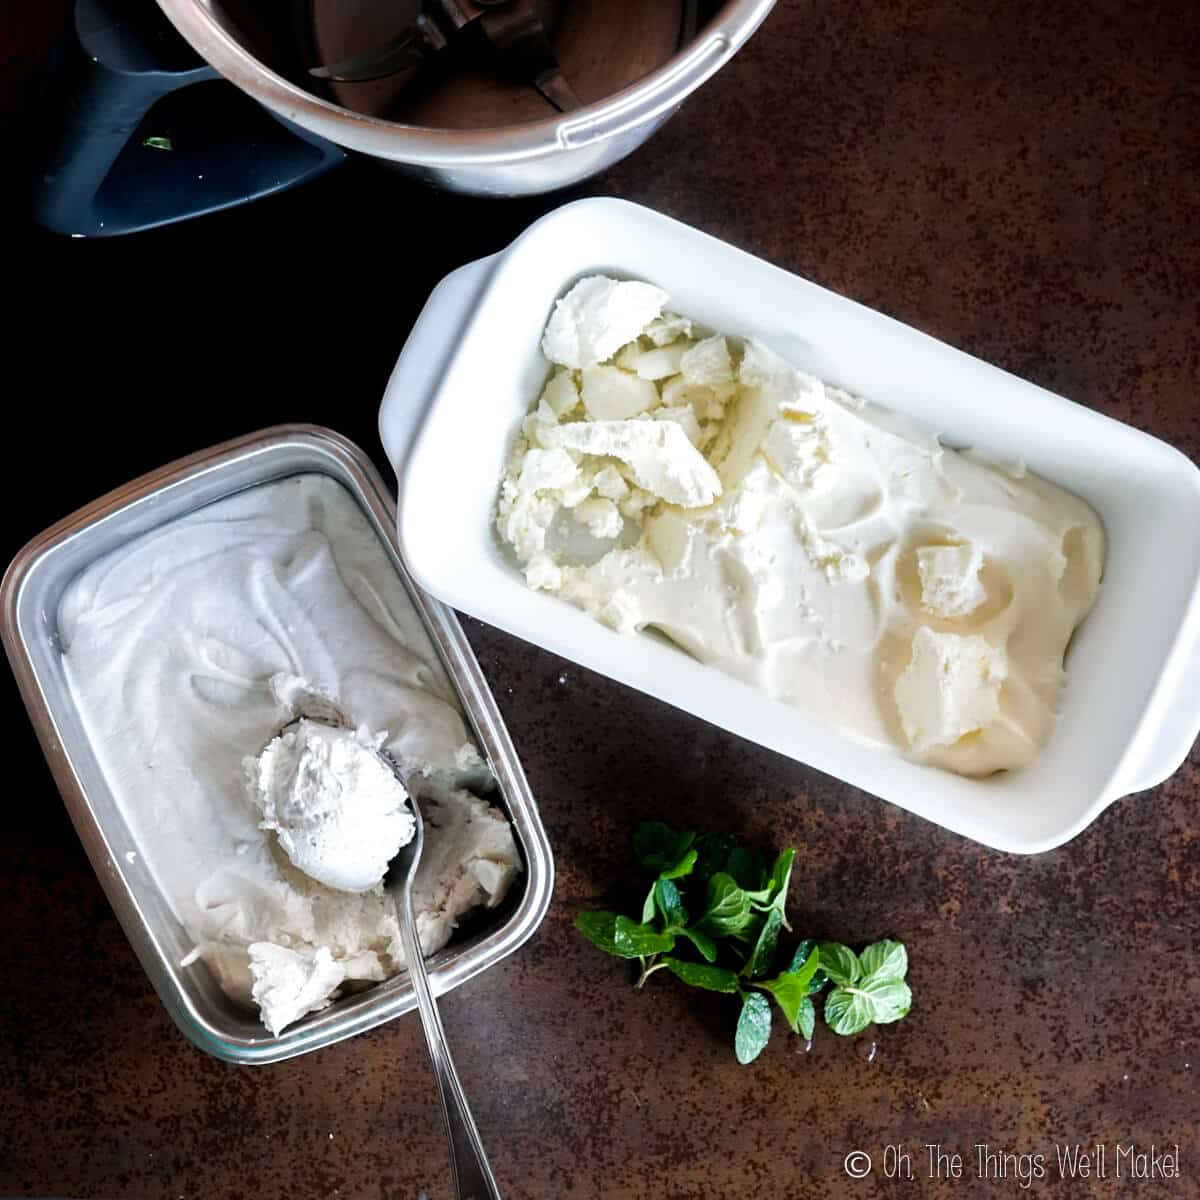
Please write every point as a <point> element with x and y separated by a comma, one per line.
<point>829,551</point>
<point>338,810</point>
<point>597,317</point>
<point>290,983</point>
<point>950,688</point>
<point>188,650</point>
<point>658,454</point>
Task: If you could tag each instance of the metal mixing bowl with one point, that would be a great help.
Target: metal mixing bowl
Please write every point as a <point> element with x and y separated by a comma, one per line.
<point>509,160</point>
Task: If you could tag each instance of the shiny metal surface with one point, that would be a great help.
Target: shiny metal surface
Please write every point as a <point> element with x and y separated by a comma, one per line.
<point>473,1178</point>
<point>404,52</point>
<point>513,29</point>
<point>29,601</point>
<point>539,156</point>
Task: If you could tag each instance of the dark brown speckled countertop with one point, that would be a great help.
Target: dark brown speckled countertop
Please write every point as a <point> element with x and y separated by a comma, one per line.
<point>1019,179</point>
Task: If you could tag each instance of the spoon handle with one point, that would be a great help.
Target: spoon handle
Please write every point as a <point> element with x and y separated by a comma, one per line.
<point>473,1177</point>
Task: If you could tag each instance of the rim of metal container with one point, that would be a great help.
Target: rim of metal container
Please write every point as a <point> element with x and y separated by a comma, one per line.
<point>392,998</point>
<point>201,24</point>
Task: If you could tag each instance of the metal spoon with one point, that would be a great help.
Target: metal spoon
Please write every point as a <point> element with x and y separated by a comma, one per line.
<point>473,1177</point>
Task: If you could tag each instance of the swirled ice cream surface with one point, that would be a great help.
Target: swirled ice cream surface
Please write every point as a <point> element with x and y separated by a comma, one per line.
<point>189,648</point>
<point>825,549</point>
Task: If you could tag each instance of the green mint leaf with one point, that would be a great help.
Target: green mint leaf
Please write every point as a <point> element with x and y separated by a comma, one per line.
<point>889,998</point>
<point>713,851</point>
<point>681,868</point>
<point>649,905</point>
<point>807,969</point>
<point>749,869</point>
<point>763,954</point>
<point>670,903</point>
<point>749,932</point>
<point>658,847</point>
<point>781,877</point>
<point>886,959</point>
<point>158,143</point>
<point>771,886</point>
<point>621,936</point>
<point>806,1019</point>
<point>712,979</point>
<point>753,1027</point>
<point>847,1012</point>
<point>600,928</point>
<point>726,908</point>
<point>636,941</point>
<point>790,989</point>
<point>703,943</point>
<point>840,963</point>
<point>803,950</point>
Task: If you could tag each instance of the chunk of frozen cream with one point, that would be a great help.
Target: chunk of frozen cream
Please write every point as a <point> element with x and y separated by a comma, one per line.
<point>659,363</point>
<point>289,983</point>
<point>659,454</point>
<point>950,688</point>
<point>707,363</point>
<point>610,394</point>
<point>950,585</point>
<point>597,317</point>
<point>541,469</point>
<point>335,806</point>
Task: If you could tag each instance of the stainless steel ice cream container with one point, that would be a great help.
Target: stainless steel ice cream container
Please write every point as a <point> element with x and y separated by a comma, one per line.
<point>29,606</point>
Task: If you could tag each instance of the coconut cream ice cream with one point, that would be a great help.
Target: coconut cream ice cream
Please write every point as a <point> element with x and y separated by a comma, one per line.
<point>825,549</point>
<point>338,810</point>
<point>189,649</point>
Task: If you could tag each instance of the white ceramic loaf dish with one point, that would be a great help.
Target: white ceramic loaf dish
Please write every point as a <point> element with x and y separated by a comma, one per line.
<point>472,368</point>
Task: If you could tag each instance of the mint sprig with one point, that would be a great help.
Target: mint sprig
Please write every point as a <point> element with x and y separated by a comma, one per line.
<point>725,905</point>
<point>871,988</point>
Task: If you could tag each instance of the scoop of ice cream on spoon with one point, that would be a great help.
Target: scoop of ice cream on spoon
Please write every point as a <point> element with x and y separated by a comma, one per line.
<point>335,804</point>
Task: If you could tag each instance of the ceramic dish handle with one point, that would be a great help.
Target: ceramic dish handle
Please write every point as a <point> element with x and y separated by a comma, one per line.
<point>1176,733</point>
<point>424,357</point>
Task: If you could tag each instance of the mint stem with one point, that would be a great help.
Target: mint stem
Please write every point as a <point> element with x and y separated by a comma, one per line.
<point>648,969</point>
